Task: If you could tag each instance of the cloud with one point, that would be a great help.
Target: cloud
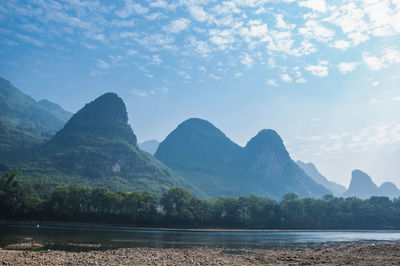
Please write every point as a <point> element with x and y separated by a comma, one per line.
<point>347,67</point>
<point>102,64</point>
<point>131,52</point>
<point>375,83</point>
<point>213,76</point>
<point>286,78</point>
<point>198,13</point>
<point>320,70</point>
<point>390,57</point>
<point>341,45</point>
<point>314,30</point>
<point>272,82</point>
<point>396,98</point>
<point>281,24</point>
<point>315,5</point>
<point>29,39</point>
<point>200,47</point>
<point>140,93</point>
<point>369,138</point>
<point>247,60</point>
<point>130,9</point>
<point>177,25</point>
<point>238,74</point>
<point>156,60</point>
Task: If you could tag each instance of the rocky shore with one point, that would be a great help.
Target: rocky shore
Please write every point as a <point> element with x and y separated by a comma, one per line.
<point>387,253</point>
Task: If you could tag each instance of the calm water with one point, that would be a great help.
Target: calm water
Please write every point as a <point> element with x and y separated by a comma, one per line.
<point>72,238</point>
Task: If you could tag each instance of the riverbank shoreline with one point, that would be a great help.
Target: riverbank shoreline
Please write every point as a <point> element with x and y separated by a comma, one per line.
<point>380,253</point>
<point>35,223</point>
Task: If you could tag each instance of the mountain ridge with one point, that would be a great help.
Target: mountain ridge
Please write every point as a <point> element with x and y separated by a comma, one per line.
<point>22,112</point>
<point>258,168</point>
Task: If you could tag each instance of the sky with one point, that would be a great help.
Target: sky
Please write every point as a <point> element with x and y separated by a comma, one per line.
<point>324,74</point>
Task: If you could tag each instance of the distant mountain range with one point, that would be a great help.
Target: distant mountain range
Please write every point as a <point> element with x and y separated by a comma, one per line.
<point>312,171</point>
<point>24,113</point>
<point>97,147</point>
<point>149,146</point>
<point>362,186</point>
<point>203,154</point>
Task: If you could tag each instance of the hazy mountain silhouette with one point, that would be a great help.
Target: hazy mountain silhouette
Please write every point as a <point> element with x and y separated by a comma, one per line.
<point>149,146</point>
<point>204,155</point>
<point>312,171</point>
<point>390,190</point>
<point>362,186</point>
<point>23,112</point>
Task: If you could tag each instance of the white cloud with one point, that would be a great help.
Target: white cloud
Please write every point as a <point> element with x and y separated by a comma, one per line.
<point>238,74</point>
<point>301,80</point>
<point>137,92</point>
<point>320,70</point>
<point>213,76</point>
<point>271,62</point>
<point>156,60</point>
<point>390,57</point>
<point>375,83</point>
<point>200,47</point>
<point>341,45</point>
<point>314,30</point>
<point>102,64</point>
<point>281,24</point>
<point>177,26</point>
<point>347,67</point>
<point>131,8</point>
<point>315,5</point>
<point>247,60</point>
<point>198,13</point>
<point>396,98</point>
<point>131,52</point>
<point>272,82</point>
<point>286,78</point>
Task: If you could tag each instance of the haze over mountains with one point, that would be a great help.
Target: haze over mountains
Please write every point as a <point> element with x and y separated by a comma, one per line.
<point>312,171</point>
<point>149,146</point>
<point>97,147</point>
<point>211,161</point>
<point>362,186</point>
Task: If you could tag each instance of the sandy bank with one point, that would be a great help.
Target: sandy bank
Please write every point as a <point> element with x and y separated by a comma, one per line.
<point>361,254</point>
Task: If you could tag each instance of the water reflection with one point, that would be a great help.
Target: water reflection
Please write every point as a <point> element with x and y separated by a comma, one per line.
<point>84,238</point>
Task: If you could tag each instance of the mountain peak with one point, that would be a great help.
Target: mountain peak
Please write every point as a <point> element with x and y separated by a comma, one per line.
<point>266,139</point>
<point>195,143</point>
<point>106,116</point>
<point>361,186</point>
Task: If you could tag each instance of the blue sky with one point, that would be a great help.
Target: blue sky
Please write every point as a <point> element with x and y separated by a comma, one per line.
<point>324,74</point>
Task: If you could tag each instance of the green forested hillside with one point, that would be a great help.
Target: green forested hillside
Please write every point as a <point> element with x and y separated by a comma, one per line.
<point>23,112</point>
<point>97,147</point>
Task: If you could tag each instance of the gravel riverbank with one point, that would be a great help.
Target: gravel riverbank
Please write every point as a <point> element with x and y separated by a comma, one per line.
<point>387,253</point>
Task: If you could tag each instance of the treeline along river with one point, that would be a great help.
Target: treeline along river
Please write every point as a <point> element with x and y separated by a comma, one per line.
<point>179,208</point>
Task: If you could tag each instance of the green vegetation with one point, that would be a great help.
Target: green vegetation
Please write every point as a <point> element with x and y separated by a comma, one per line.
<point>179,208</point>
<point>24,113</point>
<point>96,148</point>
